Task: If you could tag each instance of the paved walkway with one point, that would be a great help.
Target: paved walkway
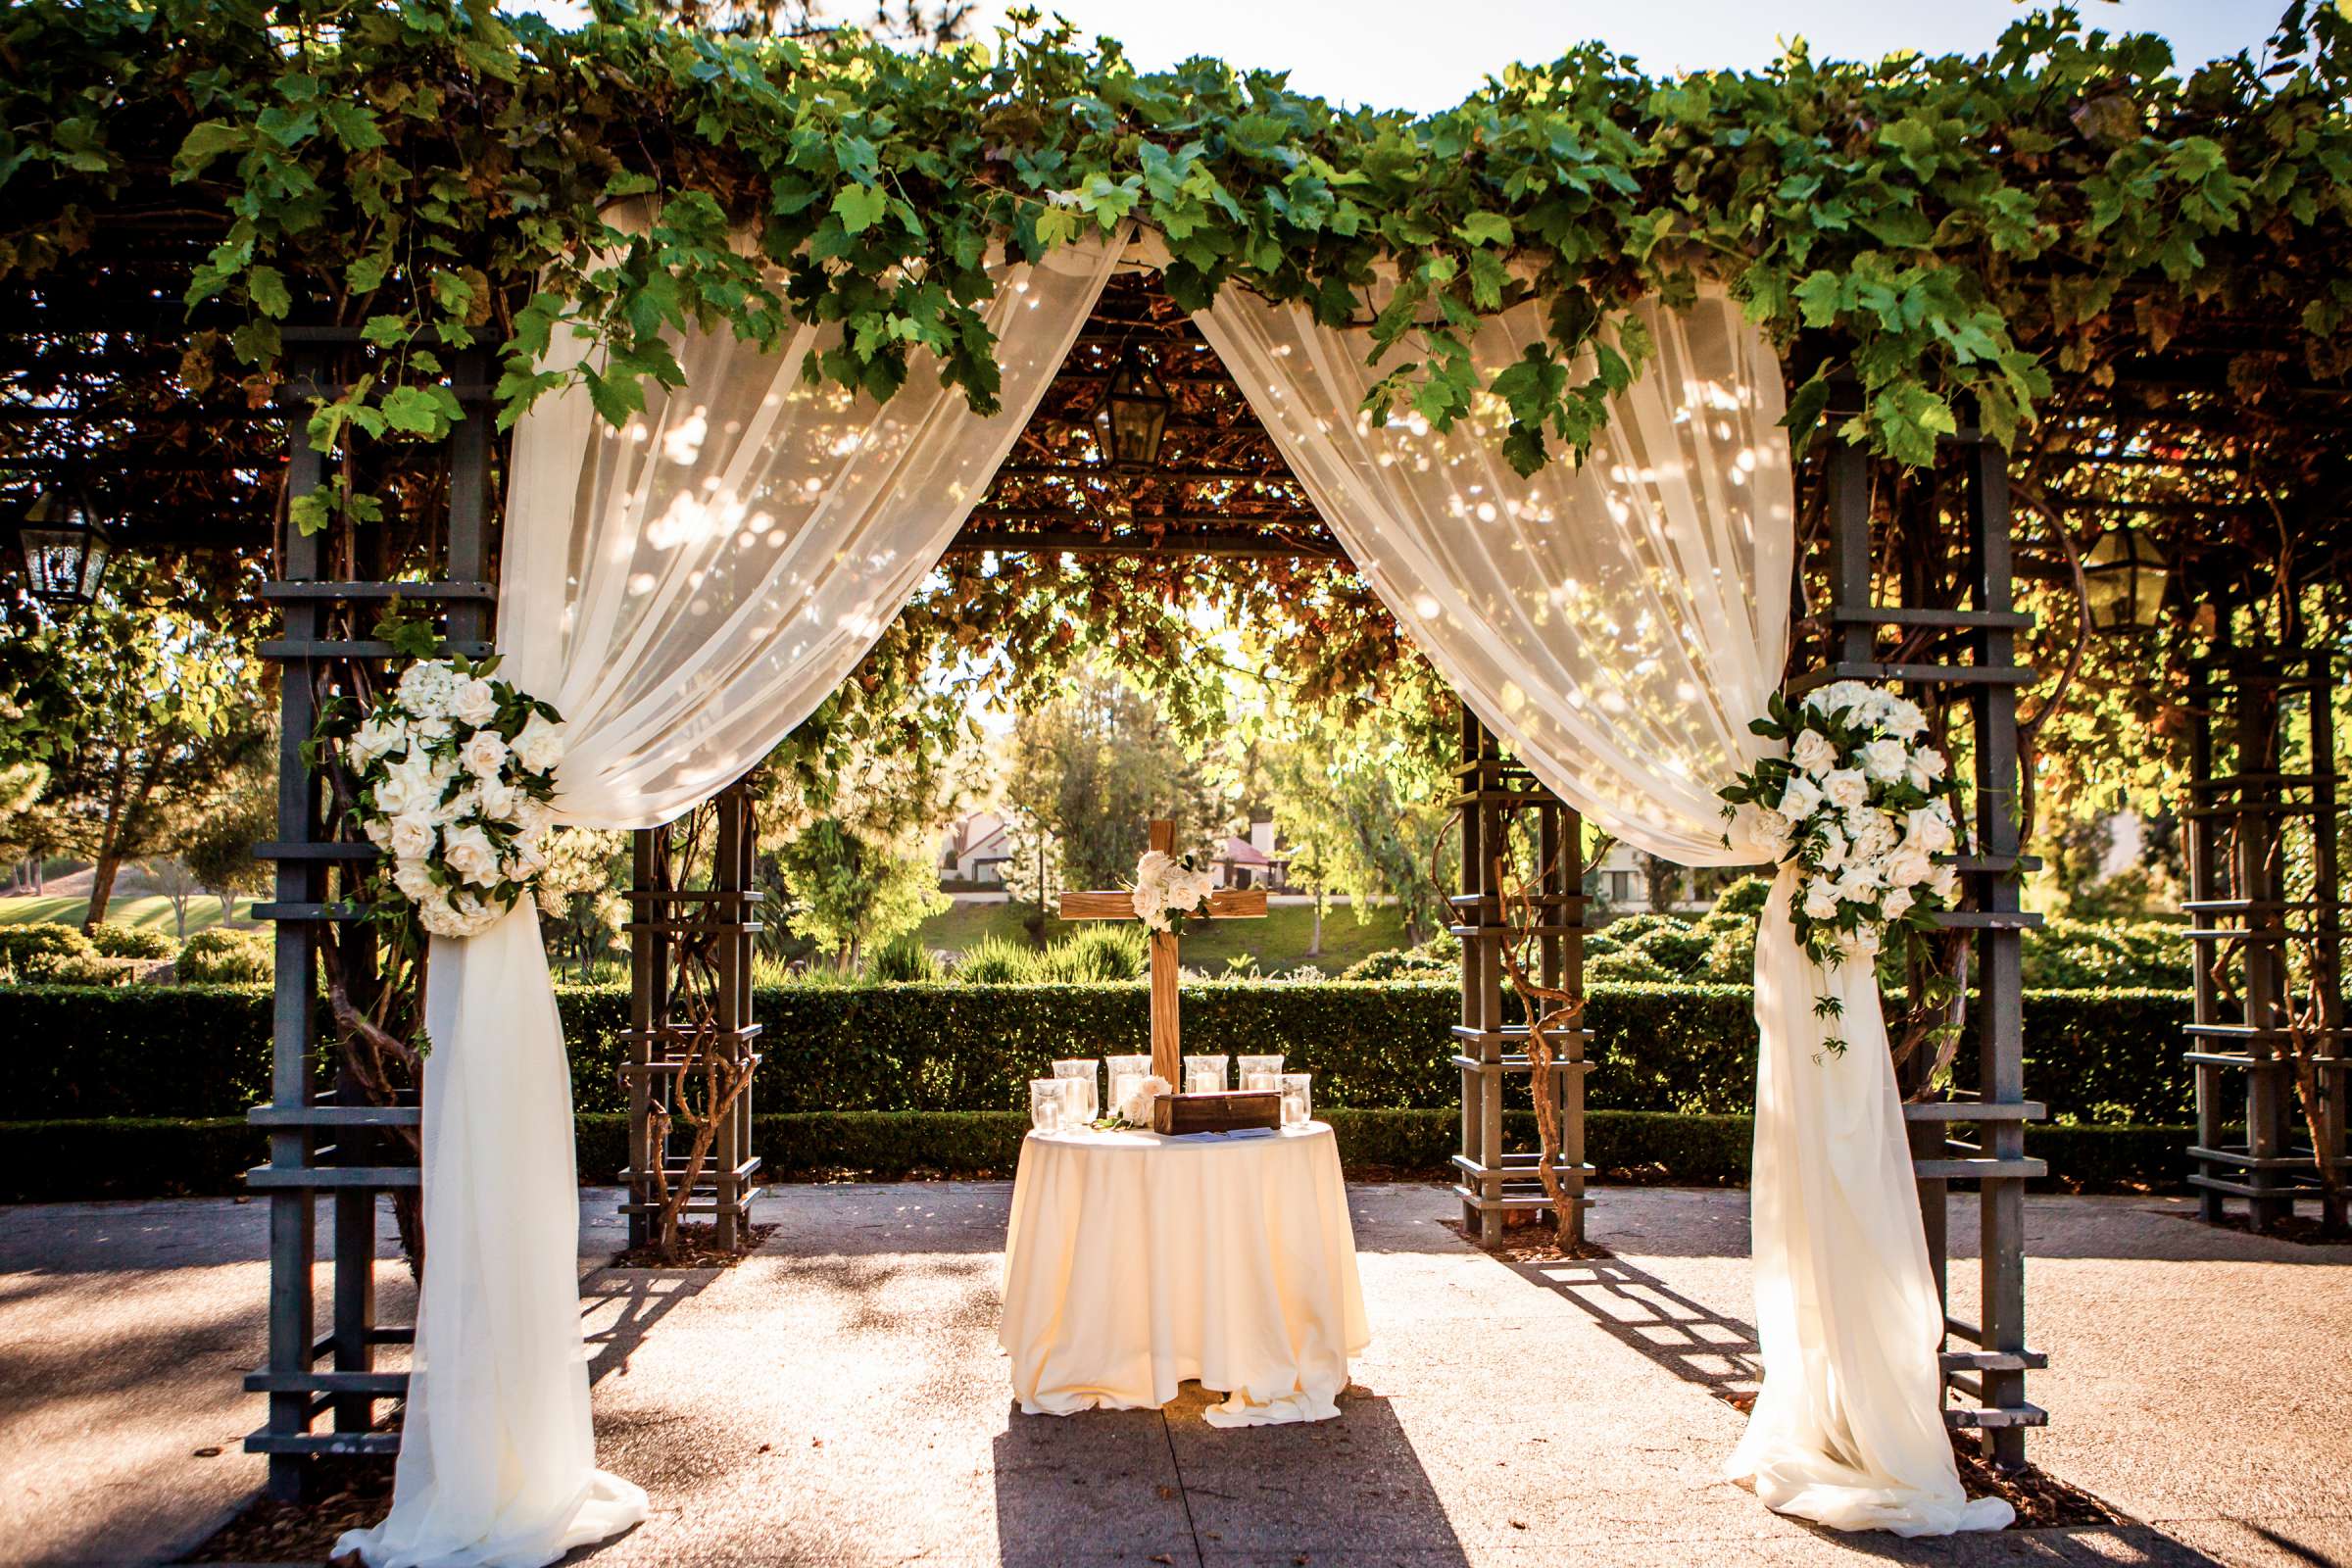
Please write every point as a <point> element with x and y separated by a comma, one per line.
<point>838,1399</point>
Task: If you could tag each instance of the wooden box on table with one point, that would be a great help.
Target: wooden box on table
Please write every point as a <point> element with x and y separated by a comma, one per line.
<point>1230,1110</point>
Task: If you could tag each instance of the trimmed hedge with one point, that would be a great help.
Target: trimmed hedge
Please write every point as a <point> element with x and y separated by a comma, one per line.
<point>50,1161</point>
<point>203,1050</point>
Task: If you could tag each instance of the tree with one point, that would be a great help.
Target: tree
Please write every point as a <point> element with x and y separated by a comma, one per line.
<point>577,894</point>
<point>175,882</point>
<point>218,847</point>
<point>1365,799</point>
<point>1093,767</point>
<point>848,893</point>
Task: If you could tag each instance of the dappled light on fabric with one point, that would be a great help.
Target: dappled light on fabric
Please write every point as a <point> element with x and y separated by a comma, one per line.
<point>1619,624</point>
<point>685,589</point>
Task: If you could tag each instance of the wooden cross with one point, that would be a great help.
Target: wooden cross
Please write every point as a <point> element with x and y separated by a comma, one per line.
<point>1225,904</point>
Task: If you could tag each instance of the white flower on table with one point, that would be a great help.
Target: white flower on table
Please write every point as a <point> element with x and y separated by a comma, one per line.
<point>1137,1106</point>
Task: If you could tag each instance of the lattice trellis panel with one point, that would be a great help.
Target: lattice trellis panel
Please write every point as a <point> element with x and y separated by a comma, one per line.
<point>2266,899</point>
<point>692,1040</point>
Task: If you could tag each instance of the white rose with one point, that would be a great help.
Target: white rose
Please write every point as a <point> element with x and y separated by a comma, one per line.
<point>1927,767</point>
<point>1799,800</point>
<point>1830,853</point>
<point>1908,866</point>
<point>525,860</point>
<point>383,735</point>
<point>429,730</point>
<point>414,879</point>
<point>1886,760</point>
<point>1846,787</point>
<point>439,918</point>
<point>1813,752</point>
<point>1150,901</point>
<point>1821,899</point>
<point>412,835</point>
<point>1928,828</point>
<point>428,687</point>
<point>1944,882</point>
<point>483,754</point>
<point>1154,868</point>
<point>1858,886</point>
<point>1839,697</point>
<point>496,798</point>
<point>1875,707</point>
<point>378,831</point>
<point>1189,890</point>
<point>1770,832</point>
<point>473,702</point>
<point>468,852</point>
<point>1904,720</point>
<point>1896,903</point>
<point>540,745</point>
<point>1875,837</point>
<point>1137,1106</point>
<point>408,785</point>
<point>531,816</point>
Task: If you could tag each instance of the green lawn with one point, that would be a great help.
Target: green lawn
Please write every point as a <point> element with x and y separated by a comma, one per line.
<point>1279,942</point>
<point>152,911</point>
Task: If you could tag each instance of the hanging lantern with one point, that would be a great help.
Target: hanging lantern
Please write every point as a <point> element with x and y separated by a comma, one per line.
<point>1133,414</point>
<point>66,548</point>
<point>2124,581</point>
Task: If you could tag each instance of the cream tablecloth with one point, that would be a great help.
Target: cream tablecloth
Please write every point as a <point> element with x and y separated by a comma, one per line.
<point>1135,1262</point>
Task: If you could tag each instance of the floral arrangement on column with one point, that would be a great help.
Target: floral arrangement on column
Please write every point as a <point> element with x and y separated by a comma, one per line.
<point>1168,889</point>
<point>1862,808</point>
<point>455,774</point>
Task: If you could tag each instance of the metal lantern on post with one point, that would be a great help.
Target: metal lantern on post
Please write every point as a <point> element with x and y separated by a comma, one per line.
<point>2124,581</point>
<point>1133,414</point>
<point>66,548</point>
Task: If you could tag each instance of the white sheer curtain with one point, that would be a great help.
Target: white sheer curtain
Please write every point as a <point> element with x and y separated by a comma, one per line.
<point>685,590</point>
<point>1618,624</point>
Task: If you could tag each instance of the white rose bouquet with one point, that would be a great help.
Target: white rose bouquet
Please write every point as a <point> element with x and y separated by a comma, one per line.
<point>1862,808</point>
<point>1168,889</point>
<point>455,774</point>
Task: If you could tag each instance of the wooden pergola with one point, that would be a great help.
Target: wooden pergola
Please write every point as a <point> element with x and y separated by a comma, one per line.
<point>103,373</point>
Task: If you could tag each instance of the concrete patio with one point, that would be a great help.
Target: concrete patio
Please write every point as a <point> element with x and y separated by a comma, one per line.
<point>837,1398</point>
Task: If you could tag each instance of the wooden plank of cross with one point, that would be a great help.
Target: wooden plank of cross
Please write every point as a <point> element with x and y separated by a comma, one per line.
<point>1225,904</point>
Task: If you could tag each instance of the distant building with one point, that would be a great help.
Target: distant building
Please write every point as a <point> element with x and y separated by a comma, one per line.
<point>1256,862</point>
<point>973,850</point>
<point>1622,879</point>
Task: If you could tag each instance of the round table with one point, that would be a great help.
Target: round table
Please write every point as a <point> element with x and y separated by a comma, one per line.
<point>1136,1261</point>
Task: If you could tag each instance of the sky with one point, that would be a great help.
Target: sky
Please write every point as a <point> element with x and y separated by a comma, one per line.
<point>1426,55</point>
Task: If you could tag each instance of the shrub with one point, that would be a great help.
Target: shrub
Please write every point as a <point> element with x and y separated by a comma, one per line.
<point>2083,955</point>
<point>1406,963</point>
<point>902,960</point>
<point>1743,900</point>
<point>203,1051</point>
<point>1105,951</point>
<point>117,941</point>
<point>90,969</point>
<point>993,961</point>
<point>28,950</point>
<point>219,957</point>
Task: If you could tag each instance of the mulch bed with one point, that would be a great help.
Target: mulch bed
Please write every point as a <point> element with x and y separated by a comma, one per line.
<point>341,1495</point>
<point>696,1250</point>
<point>1534,1246</point>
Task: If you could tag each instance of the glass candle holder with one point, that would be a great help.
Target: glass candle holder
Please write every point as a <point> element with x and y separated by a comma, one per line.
<point>1260,1072</point>
<point>1205,1075</point>
<point>1297,1099</point>
<point>1047,1105</point>
<point>1084,1087</point>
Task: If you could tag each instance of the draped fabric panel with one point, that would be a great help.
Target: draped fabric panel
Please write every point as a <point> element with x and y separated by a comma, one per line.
<point>1618,624</point>
<point>685,589</point>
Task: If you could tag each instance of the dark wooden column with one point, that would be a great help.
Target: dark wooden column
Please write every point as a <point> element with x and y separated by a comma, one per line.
<point>329,1143</point>
<point>1969,660</point>
<point>1493,794</point>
